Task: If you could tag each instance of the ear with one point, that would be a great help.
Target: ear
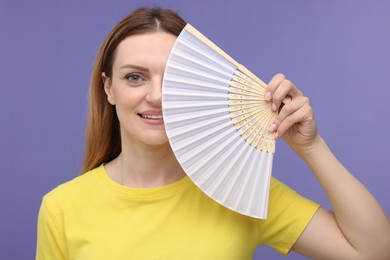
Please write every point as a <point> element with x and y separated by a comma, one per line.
<point>108,88</point>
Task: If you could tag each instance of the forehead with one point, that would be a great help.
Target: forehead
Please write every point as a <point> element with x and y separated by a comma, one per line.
<point>151,49</point>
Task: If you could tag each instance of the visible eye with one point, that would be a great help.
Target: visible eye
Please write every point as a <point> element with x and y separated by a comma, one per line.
<point>135,78</point>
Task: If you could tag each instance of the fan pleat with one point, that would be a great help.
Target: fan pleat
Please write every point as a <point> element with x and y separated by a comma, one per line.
<point>250,163</point>
<point>172,105</point>
<point>217,185</point>
<point>206,170</point>
<point>263,182</point>
<point>244,188</point>
<point>200,150</point>
<point>185,95</point>
<point>189,133</point>
<point>198,75</point>
<point>192,44</point>
<point>232,175</point>
<point>199,64</point>
<point>185,117</point>
<point>178,83</point>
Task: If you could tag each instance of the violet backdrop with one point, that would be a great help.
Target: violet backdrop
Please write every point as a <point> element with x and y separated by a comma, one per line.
<point>336,52</point>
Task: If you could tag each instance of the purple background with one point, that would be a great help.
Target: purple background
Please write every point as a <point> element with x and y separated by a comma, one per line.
<point>337,53</point>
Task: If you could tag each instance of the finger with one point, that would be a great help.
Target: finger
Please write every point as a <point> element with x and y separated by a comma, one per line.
<point>285,92</point>
<point>304,114</point>
<point>291,108</point>
<point>287,110</point>
<point>278,89</point>
<point>284,89</point>
<point>273,85</point>
<point>275,81</point>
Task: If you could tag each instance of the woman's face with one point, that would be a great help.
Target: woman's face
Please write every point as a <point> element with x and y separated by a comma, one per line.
<point>135,87</point>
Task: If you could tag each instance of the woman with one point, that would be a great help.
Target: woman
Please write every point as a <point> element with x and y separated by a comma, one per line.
<point>135,202</point>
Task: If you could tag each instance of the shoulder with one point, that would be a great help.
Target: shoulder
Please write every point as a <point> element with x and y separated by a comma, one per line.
<point>74,190</point>
<point>285,201</point>
<point>288,215</point>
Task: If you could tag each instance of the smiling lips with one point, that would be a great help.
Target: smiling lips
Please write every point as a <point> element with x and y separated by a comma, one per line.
<point>152,116</point>
<point>155,118</point>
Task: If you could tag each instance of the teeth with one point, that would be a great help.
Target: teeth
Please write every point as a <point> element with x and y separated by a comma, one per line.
<point>152,116</point>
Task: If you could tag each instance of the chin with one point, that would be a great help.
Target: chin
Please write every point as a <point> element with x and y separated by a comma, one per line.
<point>157,142</point>
<point>159,139</point>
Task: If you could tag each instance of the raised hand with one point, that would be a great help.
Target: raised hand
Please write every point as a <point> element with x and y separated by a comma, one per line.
<point>295,122</point>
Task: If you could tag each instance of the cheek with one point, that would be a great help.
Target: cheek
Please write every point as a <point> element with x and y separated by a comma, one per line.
<point>127,103</point>
<point>128,98</point>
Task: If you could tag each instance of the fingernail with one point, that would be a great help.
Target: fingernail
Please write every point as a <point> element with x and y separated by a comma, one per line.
<point>272,128</point>
<point>267,96</point>
<point>276,135</point>
<point>273,107</point>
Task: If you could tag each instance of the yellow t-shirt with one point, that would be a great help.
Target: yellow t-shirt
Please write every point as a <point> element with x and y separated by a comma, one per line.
<point>92,217</point>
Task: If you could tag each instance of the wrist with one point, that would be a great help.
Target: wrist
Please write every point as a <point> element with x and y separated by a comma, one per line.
<point>314,149</point>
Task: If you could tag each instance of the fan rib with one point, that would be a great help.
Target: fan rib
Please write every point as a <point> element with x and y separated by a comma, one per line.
<point>241,91</point>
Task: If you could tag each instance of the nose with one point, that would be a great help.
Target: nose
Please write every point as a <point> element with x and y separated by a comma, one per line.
<point>154,94</point>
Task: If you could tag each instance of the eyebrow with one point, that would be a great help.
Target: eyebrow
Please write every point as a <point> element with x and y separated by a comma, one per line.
<point>132,66</point>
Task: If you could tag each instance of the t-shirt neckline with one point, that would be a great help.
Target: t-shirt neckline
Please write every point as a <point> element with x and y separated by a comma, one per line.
<point>142,193</point>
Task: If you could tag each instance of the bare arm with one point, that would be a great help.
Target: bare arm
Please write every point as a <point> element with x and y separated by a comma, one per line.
<point>358,228</point>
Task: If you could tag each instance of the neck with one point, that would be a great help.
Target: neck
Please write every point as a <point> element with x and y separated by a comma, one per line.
<point>144,166</point>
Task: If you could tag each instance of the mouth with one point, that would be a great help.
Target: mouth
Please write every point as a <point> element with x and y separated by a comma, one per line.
<point>152,117</point>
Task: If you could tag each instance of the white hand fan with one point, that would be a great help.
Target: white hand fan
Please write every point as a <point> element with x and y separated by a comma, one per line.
<point>217,121</point>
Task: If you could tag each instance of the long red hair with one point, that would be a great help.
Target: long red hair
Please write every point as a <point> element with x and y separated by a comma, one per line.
<point>103,142</point>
